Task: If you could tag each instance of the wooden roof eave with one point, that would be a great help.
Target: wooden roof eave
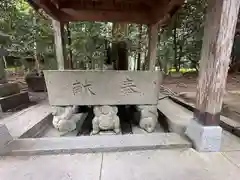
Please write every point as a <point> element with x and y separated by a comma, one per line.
<point>64,12</point>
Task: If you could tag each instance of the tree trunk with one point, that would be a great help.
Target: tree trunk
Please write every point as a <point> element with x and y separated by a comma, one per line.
<point>176,63</point>
<point>70,55</point>
<point>5,61</point>
<point>139,47</point>
<point>119,47</point>
<point>59,39</point>
<point>36,57</point>
<point>215,58</point>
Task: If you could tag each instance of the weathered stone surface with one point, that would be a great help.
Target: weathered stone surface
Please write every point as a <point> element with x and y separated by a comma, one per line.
<point>5,138</point>
<point>234,157</point>
<point>8,89</point>
<point>89,144</point>
<point>230,142</point>
<point>28,122</point>
<point>14,101</point>
<point>105,119</point>
<point>167,165</point>
<point>77,87</point>
<point>178,117</point>
<point>52,167</point>
<point>205,138</point>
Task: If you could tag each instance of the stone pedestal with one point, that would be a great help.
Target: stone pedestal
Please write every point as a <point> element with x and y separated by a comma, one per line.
<point>105,119</point>
<point>8,89</point>
<point>36,83</point>
<point>11,97</point>
<point>204,138</point>
<point>148,117</point>
<point>5,138</point>
<point>65,118</point>
<point>2,71</point>
<point>13,101</point>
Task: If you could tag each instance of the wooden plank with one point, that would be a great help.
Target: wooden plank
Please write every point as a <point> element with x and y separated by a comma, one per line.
<point>76,87</point>
<point>114,16</point>
<point>103,5</point>
<point>218,38</point>
<point>164,10</point>
<point>49,8</point>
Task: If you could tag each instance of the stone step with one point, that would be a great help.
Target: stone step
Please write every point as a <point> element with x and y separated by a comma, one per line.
<point>28,122</point>
<point>92,144</point>
<point>226,123</point>
<point>177,116</point>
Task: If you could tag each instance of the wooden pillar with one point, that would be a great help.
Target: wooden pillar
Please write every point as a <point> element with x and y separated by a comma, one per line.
<point>152,46</point>
<point>59,39</point>
<point>218,39</point>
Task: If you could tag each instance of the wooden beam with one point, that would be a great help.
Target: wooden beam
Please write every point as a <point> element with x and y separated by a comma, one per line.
<point>85,15</point>
<point>152,46</point>
<point>104,5</point>
<point>165,9</point>
<point>218,38</point>
<point>58,29</point>
<point>51,9</point>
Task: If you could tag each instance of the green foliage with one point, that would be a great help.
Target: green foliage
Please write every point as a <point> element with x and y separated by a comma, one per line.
<point>187,24</point>
<point>25,33</point>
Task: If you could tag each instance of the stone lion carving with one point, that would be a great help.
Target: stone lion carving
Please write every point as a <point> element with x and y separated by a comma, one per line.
<point>105,119</point>
<point>64,119</point>
<point>149,115</point>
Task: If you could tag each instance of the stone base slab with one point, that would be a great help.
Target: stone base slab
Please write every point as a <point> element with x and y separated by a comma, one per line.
<point>8,89</point>
<point>5,138</point>
<point>29,122</point>
<point>36,83</point>
<point>97,144</point>
<point>204,138</point>
<point>13,101</point>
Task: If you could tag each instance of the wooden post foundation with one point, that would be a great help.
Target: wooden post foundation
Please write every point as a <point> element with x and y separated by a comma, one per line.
<point>215,58</point>
<point>218,38</point>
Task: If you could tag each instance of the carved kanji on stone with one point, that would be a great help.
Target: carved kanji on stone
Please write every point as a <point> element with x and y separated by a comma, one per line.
<point>129,87</point>
<point>86,87</point>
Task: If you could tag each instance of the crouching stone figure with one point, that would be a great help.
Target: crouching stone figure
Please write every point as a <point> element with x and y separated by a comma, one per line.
<point>105,119</point>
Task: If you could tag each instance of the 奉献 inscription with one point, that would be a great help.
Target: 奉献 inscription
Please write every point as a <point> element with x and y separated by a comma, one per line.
<point>129,87</point>
<point>86,87</point>
<point>78,87</point>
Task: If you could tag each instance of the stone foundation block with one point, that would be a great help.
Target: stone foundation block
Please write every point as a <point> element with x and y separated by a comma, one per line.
<point>13,101</point>
<point>5,138</point>
<point>36,83</point>
<point>8,89</point>
<point>204,138</point>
